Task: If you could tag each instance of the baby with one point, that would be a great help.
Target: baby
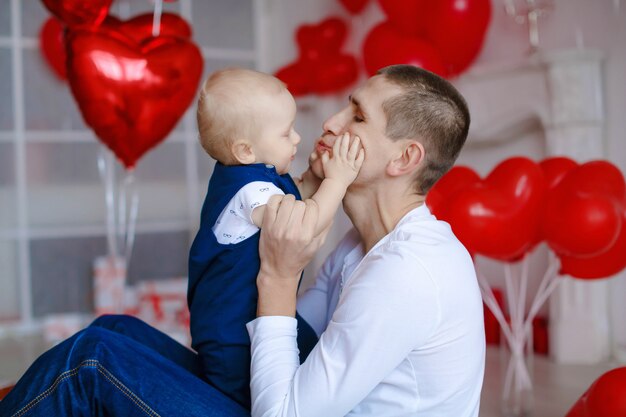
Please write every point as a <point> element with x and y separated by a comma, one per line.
<point>246,122</point>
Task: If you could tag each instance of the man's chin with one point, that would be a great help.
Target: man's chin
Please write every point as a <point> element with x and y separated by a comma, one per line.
<point>317,169</point>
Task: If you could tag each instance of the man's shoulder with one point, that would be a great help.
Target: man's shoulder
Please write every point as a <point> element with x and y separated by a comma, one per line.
<point>429,242</point>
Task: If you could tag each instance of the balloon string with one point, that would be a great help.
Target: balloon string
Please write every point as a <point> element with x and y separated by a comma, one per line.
<point>107,175</point>
<point>509,6</point>
<point>492,303</point>
<point>156,17</point>
<point>523,283</point>
<point>121,220</point>
<point>548,284</point>
<point>129,185</point>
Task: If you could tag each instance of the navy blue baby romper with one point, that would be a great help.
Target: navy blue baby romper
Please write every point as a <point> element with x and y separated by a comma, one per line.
<point>222,292</point>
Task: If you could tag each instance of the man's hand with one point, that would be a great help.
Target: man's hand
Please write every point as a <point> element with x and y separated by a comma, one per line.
<point>346,160</point>
<point>287,245</point>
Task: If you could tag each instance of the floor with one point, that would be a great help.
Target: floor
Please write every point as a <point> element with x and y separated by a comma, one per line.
<point>556,387</point>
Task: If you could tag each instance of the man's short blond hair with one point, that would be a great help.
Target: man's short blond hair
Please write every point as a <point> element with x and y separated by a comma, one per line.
<point>431,109</point>
<point>228,109</point>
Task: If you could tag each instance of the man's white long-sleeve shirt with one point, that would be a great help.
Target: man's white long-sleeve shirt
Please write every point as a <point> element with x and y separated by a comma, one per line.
<point>401,332</point>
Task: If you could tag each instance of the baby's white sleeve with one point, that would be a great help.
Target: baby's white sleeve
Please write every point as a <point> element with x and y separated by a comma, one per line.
<point>253,195</point>
<point>235,223</point>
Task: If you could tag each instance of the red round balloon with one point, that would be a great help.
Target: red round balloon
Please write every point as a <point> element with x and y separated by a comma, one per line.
<point>131,94</point>
<point>386,46</point>
<point>499,216</point>
<point>457,28</point>
<point>599,177</point>
<point>580,225</point>
<point>606,397</point>
<point>582,215</point>
<point>608,263</point>
<point>53,46</point>
<point>79,12</point>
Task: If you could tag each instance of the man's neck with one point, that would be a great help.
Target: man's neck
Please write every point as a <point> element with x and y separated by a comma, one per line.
<point>376,212</point>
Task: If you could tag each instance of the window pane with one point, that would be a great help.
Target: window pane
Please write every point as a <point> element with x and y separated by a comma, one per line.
<point>34,14</point>
<point>205,168</point>
<point>5,18</point>
<point>211,65</point>
<point>9,282</point>
<point>64,186</point>
<point>49,104</point>
<point>159,256</point>
<point>161,184</point>
<point>224,24</point>
<point>62,268</point>
<point>140,7</point>
<point>6,88</point>
<point>61,271</point>
<point>165,162</point>
<point>8,208</point>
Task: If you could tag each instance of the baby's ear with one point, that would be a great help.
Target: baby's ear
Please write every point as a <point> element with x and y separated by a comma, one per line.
<point>242,152</point>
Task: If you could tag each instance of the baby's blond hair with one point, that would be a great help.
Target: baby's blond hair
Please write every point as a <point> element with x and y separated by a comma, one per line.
<point>228,109</point>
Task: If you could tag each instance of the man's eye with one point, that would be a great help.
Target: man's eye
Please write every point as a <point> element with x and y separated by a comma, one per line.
<point>358,118</point>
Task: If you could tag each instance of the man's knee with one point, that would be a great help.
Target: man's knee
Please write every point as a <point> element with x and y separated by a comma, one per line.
<point>118,323</point>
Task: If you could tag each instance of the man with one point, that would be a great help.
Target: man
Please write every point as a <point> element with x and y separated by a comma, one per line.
<point>396,305</point>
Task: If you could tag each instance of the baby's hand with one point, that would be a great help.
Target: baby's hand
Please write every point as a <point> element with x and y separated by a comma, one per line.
<point>346,161</point>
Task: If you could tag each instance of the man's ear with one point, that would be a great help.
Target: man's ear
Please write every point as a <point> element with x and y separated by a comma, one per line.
<point>242,152</point>
<point>407,161</point>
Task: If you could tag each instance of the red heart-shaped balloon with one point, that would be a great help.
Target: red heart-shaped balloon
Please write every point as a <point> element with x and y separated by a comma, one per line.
<point>53,47</point>
<point>139,27</point>
<point>499,216</point>
<point>321,67</point>
<point>445,190</point>
<point>407,16</point>
<point>325,38</point>
<point>354,6</point>
<point>554,169</point>
<point>131,94</point>
<point>338,72</point>
<point>385,46</point>
<point>604,265</point>
<point>297,76</point>
<point>457,28</point>
<point>583,213</point>
<point>79,12</point>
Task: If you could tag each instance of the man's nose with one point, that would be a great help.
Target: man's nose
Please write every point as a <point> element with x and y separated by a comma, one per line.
<point>336,124</point>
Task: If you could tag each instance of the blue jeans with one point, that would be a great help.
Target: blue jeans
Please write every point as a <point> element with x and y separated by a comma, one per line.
<point>118,366</point>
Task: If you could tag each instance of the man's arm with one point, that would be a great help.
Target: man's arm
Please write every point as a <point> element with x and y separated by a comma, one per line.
<point>377,323</point>
<point>288,243</point>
